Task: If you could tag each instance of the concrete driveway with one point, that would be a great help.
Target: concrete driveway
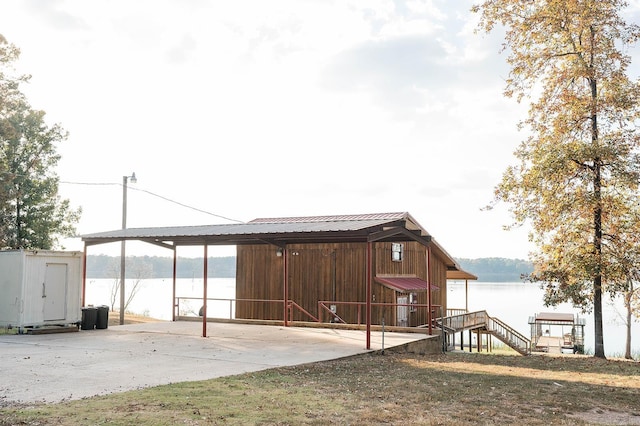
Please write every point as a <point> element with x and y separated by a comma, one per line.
<point>57,367</point>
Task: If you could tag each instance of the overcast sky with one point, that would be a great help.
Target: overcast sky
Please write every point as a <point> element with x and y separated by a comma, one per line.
<point>249,109</point>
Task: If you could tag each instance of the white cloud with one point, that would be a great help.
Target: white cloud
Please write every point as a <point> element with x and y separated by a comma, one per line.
<point>250,109</point>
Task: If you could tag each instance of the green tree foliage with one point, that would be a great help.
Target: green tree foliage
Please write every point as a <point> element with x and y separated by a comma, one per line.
<point>32,215</point>
<point>568,57</point>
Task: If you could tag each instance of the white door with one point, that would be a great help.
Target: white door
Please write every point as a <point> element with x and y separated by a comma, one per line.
<point>402,316</point>
<point>54,291</point>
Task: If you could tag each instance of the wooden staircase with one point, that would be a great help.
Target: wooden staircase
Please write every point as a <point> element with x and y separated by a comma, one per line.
<point>481,320</point>
<point>509,336</point>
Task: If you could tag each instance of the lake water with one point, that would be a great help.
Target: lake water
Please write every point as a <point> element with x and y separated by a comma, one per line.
<point>513,303</point>
<point>154,297</point>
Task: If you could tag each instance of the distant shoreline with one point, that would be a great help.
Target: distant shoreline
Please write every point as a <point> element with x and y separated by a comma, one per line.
<point>489,269</point>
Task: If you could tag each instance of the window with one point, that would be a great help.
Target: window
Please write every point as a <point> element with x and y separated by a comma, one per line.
<point>396,252</point>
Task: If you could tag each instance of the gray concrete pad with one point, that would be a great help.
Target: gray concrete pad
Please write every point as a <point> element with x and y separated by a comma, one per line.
<point>57,367</point>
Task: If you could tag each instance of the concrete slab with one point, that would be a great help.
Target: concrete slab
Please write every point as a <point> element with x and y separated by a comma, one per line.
<point>57,367</point>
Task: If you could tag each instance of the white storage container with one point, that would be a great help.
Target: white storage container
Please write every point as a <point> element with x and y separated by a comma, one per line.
<point>40,288</point>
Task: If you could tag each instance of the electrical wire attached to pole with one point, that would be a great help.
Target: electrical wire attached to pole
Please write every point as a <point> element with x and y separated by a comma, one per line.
<point>155,195</point>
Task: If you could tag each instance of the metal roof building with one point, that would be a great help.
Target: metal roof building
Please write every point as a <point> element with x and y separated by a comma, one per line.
<point>285,231</point>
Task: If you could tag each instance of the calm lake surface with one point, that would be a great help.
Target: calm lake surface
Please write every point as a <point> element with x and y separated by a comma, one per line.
<point>512,303</point>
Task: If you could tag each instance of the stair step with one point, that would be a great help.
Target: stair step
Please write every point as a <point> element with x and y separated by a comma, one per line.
<point>511,337</point>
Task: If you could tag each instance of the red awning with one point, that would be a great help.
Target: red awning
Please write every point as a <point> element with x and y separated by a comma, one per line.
<point>405,284</point>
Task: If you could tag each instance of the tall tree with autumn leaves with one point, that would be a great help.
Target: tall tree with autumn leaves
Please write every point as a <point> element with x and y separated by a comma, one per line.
<point>569,58</point>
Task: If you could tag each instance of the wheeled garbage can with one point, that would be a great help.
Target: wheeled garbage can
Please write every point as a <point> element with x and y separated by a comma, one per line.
<point>102,318</point>
<point>89,317</point>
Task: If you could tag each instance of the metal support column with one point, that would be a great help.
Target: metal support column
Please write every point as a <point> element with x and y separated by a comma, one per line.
<point>204,292</point>
<point>175,272</point>
<point>369,293</point>
<point>84,275</point>
<point>430,304</point>
<point>285,273</point>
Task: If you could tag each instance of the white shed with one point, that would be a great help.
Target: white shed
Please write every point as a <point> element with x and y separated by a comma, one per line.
<point>40,288</point>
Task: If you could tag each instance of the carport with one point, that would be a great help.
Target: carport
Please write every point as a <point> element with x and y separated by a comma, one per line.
<point>368,228</point>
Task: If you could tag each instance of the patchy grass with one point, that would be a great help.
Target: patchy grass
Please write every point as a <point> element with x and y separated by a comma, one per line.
<point>393,389</point>
<point>7,330</point>
<point>129,318</point>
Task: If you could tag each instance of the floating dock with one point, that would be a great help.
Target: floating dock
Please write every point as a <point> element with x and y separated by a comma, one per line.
<point>556,332</point>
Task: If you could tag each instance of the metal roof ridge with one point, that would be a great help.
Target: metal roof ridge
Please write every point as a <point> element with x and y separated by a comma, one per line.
<point>333,218</point>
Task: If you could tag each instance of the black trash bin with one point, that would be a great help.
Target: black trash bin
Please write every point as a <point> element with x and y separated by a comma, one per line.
<point>102,318</point>
<point>89,317</point>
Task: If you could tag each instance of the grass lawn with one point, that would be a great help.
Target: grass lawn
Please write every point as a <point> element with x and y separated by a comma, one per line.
<point>391,389</point>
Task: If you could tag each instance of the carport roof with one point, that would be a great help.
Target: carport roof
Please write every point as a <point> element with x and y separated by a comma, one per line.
<point>283,231</point>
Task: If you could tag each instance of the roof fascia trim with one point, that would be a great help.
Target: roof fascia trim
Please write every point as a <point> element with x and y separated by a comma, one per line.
<point>377,236</point>
<point>160,244</point>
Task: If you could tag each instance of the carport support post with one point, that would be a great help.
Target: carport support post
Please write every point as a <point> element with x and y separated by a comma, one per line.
<point>368,304</point>
<point>204,293</point>
<point>429,304</point>
<point>175,271</point>
<point>285,273</point>
<point>84,275</point>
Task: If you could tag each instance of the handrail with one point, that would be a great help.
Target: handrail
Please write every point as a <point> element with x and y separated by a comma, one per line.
<point>509,335</point>
<point>323,307</point>
<point>291,304</point>
<point>465,321</point>
<point>455,311</point>
<point>507,327</point>
<point>325,303</point>
<point>231,302</point>
<point>479,319</point>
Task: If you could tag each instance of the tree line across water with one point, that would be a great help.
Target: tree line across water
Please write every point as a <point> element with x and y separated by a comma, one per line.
<point>497,269</point>
<point>102,266</point>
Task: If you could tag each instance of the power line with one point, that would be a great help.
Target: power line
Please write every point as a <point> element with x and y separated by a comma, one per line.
<point>184,205</point>
<point>92,183</point>
<point>155,195</point>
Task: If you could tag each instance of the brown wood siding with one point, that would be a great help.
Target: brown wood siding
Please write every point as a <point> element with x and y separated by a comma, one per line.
<point>439,279</point>
<point>327,272</point>
<point>259,276</point>
<point>330,272</point>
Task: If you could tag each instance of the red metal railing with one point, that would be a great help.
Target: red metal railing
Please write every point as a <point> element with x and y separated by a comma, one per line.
<point>290,308</point>
<point>324,308</point>
<point>231,303</point>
